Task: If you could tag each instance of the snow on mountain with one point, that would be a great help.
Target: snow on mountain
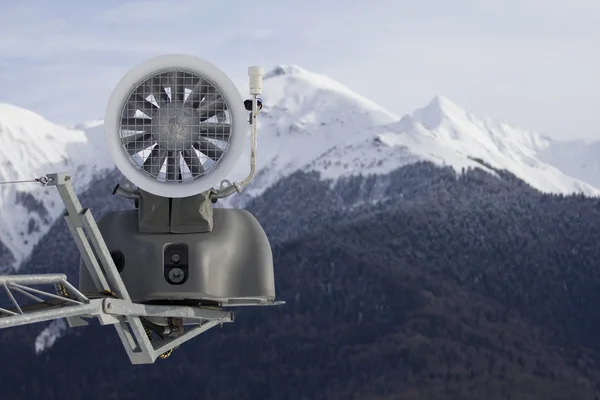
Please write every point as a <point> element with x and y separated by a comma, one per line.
<point>577,158</point>
<point>32,147</point>
<point>303,115</point>
<point>446,134</point>
<point>312,122</point>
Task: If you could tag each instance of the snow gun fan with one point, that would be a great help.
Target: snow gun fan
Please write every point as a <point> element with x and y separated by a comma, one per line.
<point>165,270</point>
<point>175,127</point>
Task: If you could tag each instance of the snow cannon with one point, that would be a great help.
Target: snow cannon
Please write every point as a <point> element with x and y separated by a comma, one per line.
<point>172,266</point>
<point>175,126</point>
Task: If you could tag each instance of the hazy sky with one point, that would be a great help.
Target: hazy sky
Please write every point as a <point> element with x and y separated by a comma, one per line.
<point>533,63</point>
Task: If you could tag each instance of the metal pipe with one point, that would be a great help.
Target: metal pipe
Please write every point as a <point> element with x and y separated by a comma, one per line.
<point>254,139</point>
<point>239,186</point>
<point>48,315</point>
<point>26,293</point>
<point>74,291</point>
<point>12,298</point>
<point>33,279</point>
<point>255,74</point>
<point>42,293</point>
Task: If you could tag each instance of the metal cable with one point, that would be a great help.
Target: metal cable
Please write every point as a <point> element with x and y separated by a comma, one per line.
<point>43,180</point>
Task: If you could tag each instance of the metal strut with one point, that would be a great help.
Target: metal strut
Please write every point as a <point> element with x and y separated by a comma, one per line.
<point>112,306</point>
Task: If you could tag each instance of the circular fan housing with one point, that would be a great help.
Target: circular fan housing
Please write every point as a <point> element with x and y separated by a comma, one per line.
<point>175,125</point>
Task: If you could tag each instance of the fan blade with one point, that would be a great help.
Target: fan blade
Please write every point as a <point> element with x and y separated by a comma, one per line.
<point>135,124</point>
<point>137,102</point>
<point>153,87</point>
<point>189,82</point>
<point>200,90</point>
<point>173,165</point>
<point>193,162</point>
<point>221,117</point>
<point>215,131</point>
<point>155,161</point>
<point>210,109</point>
<point>209,149</point>
<point>211,95</point>
<point>136,145</point>
<point>174,82</point>
<point>135,137</point>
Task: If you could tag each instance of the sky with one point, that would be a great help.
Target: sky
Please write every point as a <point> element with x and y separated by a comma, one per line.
<point>532,63</point>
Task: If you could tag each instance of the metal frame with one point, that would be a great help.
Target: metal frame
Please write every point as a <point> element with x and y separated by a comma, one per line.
<point>115,307</point>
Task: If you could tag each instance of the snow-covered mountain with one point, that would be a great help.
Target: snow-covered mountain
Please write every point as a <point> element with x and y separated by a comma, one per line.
<point>305,114</point>
<point>309,122</point>
<point>446,134</point>
<point>32,147</point>
<point>312,122</point>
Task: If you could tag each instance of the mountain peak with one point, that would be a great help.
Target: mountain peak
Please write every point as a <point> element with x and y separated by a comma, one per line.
<point>15,115</point>
<point>298,90</point>
<point>285,69</point>
<point>444,103</point>
<point>439,108</point>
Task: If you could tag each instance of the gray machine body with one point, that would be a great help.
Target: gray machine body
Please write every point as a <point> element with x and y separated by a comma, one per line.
<point>232,264</point>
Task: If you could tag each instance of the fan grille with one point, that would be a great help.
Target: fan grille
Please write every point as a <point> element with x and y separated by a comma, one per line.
<point>175,126</point>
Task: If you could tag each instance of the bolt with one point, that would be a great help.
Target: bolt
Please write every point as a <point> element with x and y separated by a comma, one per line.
<point>176,275</point>
<point>175,258</point>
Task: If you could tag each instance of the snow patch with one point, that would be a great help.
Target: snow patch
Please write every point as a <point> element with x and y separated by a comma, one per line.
<point>285,69</point>
<point>50,335</point>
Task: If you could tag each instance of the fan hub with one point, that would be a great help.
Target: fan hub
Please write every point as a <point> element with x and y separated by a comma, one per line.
<point>175,127</point>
